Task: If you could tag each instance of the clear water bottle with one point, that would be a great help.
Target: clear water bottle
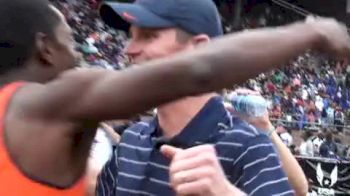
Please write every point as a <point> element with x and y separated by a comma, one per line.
<point>250,105</point>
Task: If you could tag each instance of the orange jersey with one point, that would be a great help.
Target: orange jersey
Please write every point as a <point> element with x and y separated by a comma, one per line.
<point>12,181</point>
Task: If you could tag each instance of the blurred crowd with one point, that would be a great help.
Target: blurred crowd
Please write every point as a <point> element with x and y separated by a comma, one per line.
<point>305,94</point>
<point>311,91</point>
<point>323,144</point>
<point>100,45</point>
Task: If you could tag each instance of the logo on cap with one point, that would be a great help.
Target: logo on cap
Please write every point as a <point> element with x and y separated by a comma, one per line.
<point>127,16</point>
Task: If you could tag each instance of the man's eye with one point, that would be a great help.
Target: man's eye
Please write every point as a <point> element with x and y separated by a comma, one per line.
<point>150,36</point>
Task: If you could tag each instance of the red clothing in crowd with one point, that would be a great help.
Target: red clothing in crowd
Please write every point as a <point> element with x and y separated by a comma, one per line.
<point>271,87</point>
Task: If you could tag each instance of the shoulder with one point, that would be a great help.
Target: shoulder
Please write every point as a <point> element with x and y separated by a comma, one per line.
<point>140,127</point>
<point>255,161</point>
<point>242,130</point>
<point>138,132</point>
<point>247,140</point>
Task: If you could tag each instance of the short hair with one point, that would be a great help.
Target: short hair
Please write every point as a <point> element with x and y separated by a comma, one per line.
<point>306,135</point>
<point>20,21</point>
<point>329,136</point>
<point>320,135</point>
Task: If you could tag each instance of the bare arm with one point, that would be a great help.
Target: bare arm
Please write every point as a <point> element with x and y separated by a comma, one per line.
<point>295,174</point>
<point>102,95</point>
<point>290,165</point>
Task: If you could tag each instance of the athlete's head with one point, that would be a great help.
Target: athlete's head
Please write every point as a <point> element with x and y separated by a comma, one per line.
<point>163,27</point>
<point>34,36</point>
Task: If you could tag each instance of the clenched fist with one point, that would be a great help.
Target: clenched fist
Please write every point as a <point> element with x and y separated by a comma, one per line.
<point>197,171</point>
<point>334,36</point>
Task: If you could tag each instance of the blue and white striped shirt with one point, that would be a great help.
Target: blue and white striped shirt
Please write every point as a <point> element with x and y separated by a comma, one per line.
<point>247,156</point>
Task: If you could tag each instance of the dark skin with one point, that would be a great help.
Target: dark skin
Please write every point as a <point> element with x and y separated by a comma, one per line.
<point>51,121</point>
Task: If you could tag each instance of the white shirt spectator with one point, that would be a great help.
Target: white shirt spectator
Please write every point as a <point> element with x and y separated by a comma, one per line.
<point>286,138</point>
<point>90,41</point>
<point>330,113</point>
<point>307,148</point>
<point>339,94</point>
<point>305,94</point>
<point>319,103</point>
<point>322,87</point>
<point>317,143</point>
<point>269,104</point>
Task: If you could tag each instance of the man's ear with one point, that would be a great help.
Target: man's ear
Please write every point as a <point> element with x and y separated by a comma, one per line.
<point>200,39</point>
<point>43,48</point>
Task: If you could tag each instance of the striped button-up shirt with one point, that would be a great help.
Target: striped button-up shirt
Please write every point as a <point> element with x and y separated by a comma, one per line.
<point>247,156</point>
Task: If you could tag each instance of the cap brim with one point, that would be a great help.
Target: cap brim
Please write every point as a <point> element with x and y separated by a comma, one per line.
<point>120,15</point>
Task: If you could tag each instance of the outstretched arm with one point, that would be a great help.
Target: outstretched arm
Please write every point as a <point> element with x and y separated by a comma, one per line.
<point>102,95</point>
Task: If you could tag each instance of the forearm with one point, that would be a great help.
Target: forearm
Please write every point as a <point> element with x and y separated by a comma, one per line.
<point>295,174</point>
<point>241,56</point>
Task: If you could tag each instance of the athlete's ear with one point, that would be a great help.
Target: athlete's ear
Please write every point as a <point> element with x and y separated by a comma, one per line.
<point>43,48</point>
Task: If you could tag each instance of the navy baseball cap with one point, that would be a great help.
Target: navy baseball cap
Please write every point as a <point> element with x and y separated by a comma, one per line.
<point>193,16</point>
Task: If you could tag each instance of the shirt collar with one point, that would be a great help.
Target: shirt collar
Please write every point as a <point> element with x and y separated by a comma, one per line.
<point>203,128</point>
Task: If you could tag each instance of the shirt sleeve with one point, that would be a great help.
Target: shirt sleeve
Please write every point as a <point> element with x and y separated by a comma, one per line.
<point>262,172</point>
<point>107,179</point>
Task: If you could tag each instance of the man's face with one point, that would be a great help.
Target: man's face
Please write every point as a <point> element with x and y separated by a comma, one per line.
<point>62,54</point>
<point>66,55</point>
<point>147,44</point>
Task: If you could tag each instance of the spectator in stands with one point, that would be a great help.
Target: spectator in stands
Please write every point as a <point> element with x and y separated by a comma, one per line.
<point>311,118</point>
<point>285,135</point>
<point>339,119</point>
<point>330,115</point>
<point>341,148</point>
<point>270,87</point>
<point>91,34</point>
<point>317,142</point>
<point>328,148</point>
<point>276,112</point>
<point>306,148</point>
<point>324,121</point>
<point>347,154</point>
